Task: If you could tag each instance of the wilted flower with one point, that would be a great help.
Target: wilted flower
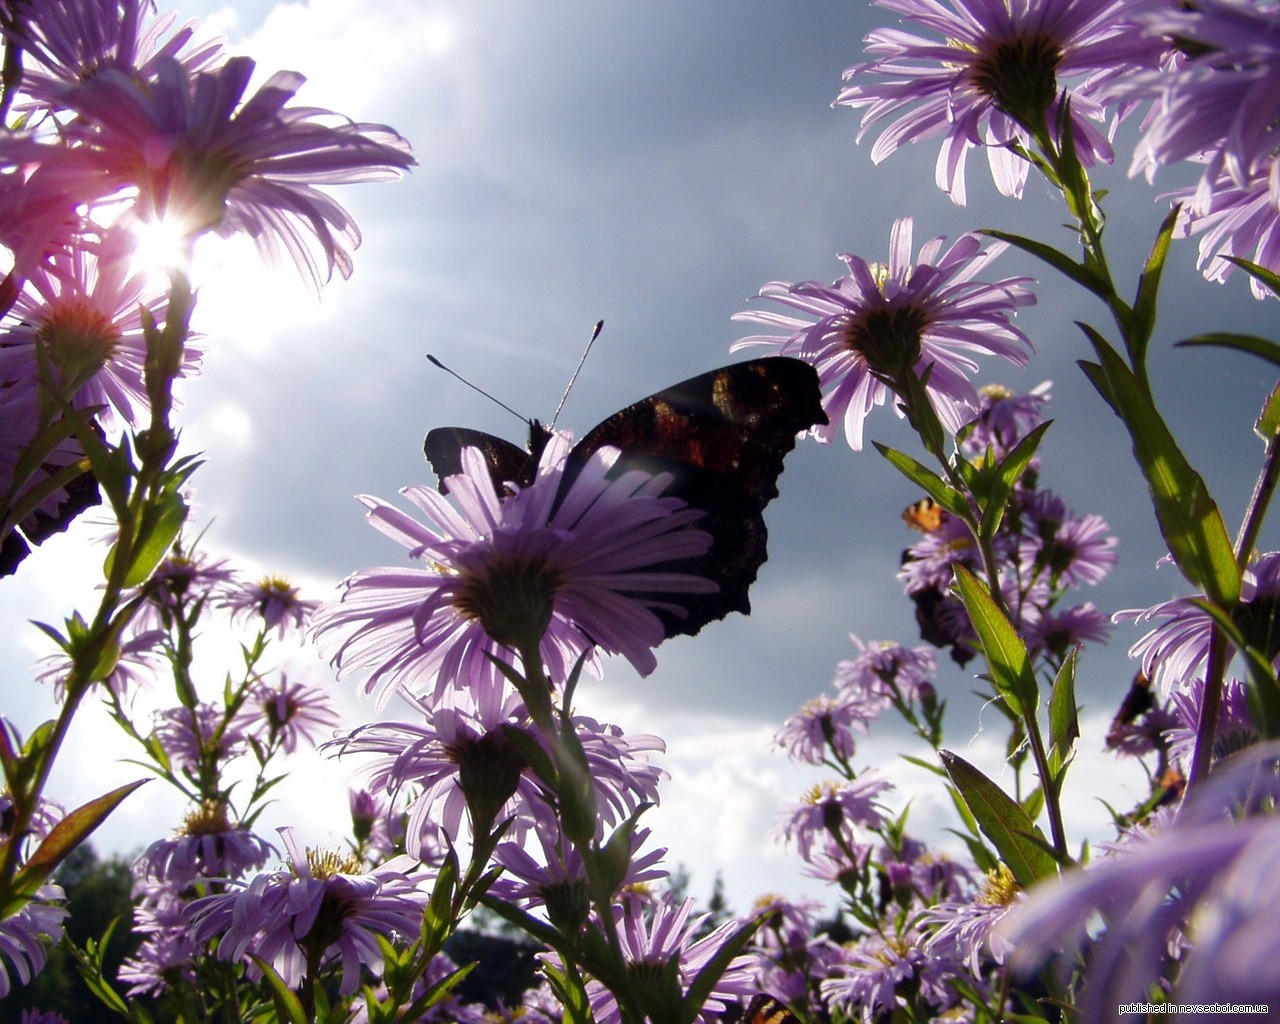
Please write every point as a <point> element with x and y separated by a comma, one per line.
<point>189,735</point>
<point>566,573</point>
<point>880,323</point>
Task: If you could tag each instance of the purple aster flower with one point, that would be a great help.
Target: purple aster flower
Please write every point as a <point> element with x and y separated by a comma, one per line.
<point>84,310</point>
<point>140,659</point>
<point>557,878</point>
<point>25,937</point>
<point>1004,418</point>
<point>1000,69</point>
<point>1072,550</point>
<point>319,906</point>
<point>788,958</point>
<point>207,846</point>
<point>1174,652</point>
<point>656,935</point>
<point>166,957</point>
<point>1236,728</point>
<point>1236,219</point>
<point>883,670</point>
<point>289,712</point>
<point>826,721</point>
<point>915,870</point>
<point>1209,884</point>
<point>879,323</point>
<point>198,160</point>
<point>1220,99</point>
<point>275,601</point>
<point>569,572</point>
<point>865,983</point>
<point>458,761</point>
<point>192,735</point>
<point>33,1016</point>
<point>183,579</point>
<point>1059,632</point>
<point>965,929</point>
<point>838,865</point>
<point>69,42</point>
<point>835,808</point>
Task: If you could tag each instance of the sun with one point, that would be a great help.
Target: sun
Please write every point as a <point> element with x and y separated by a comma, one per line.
<point>162,246</point>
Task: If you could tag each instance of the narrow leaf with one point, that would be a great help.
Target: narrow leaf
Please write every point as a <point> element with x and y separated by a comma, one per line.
<point>1268,423</point>
<point>926,479</point>
<point>1006,478</point>
<point>1060,261</point>
<point>1143,320</point>
<point>1064,722</point>
<point>1189,519</point>
<point>1259,273</point>
<point>1002,820</point>
<point>1006,654</point>
<point>288,1006</point>
<point>705,980</point>
<point>70,832</point>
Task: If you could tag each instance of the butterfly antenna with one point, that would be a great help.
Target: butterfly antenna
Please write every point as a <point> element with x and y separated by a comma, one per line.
<point>436,362</point>
<point>569,387</point>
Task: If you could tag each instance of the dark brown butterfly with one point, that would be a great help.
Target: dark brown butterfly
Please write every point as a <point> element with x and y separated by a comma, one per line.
<point>764,1009</point>
<point>722,435</point>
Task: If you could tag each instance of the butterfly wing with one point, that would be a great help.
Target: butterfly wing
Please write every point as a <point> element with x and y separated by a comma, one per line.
<point>764,1009</point>
<point>723,436</point>
<point>506,461</point>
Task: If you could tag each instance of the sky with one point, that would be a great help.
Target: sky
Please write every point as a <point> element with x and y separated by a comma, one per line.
<point>651,165</point>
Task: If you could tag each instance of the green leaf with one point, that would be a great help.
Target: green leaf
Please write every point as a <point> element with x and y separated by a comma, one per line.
<point>1143,320</point>
<point>1189,519</point>
<point>437,992</point>
<point>1003,821</point>
<point>1064,721</point>
<point>1268,422</point>
<point>1268,351</point>
<point>926,479</point>
<point>69,833</point>
<point>705,980</point>
<point>1259,273</point>
<point>1060,261</point>
<point>1006,654</point>
<point>159,530</point>
<point>288,1006</point>
<point>1007,477</point>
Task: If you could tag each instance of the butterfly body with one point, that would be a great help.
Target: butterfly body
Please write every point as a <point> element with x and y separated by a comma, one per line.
<point>722,436</point>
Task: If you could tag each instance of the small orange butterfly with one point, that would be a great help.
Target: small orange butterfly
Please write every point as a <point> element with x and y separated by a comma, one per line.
<point>764,1009</point>
<point>926,516</point>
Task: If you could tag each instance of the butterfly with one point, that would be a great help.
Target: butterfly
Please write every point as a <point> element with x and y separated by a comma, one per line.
<point>721,435</point>
<point>764,1009</point>
<point>926,516</point>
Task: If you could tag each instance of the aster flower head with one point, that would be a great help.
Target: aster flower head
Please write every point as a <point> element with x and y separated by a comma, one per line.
<point>1236,729</point>
<point>69,42</point>
<point>836,808</point>
<point>290,711</point>
<point>659,935</point>
<point>878,324</point>
<point>826,721</point>
<point>79,321</point>
<point>207,161</point>
<point>1004,418</point>
<point>560,573</point>
<point>967,930</point>
<point>140,659</point>
<point>320,906</point>
<point>1000,73</point>
<point>183,579</point>
<point>1205,885</point>
<point>1218,99</point>
<point>1173,653</point>
<point>190,736</point>
<point>207,846</point>
<point>275,601</point>
<point>25,937</point>
<point>864,983</point>
<point>884,670</point>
